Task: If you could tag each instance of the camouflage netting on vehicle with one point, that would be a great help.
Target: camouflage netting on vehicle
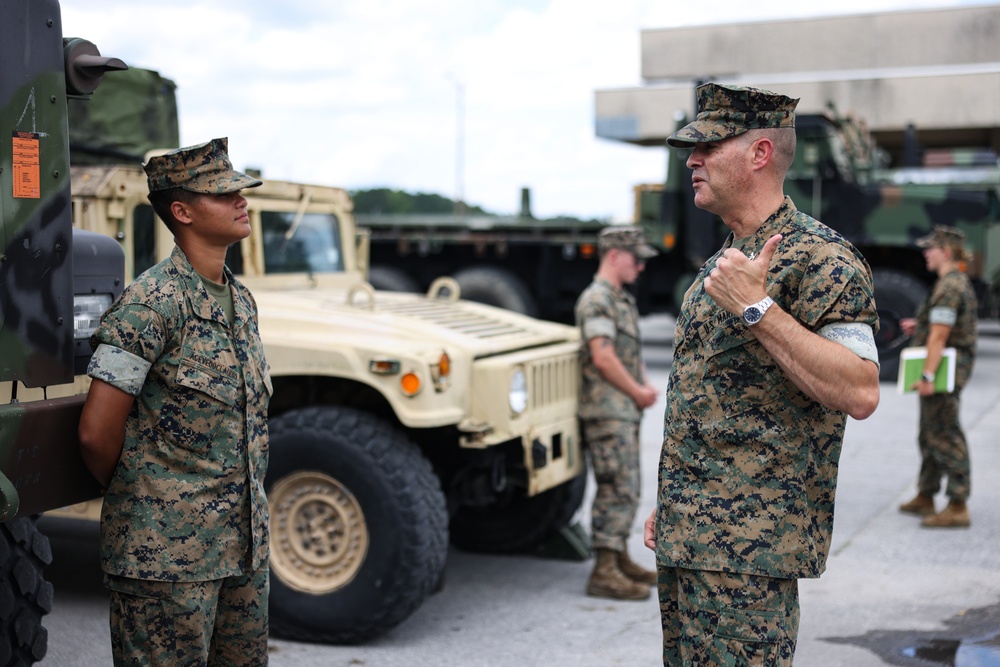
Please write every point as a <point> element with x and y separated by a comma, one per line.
<point>131,113</point>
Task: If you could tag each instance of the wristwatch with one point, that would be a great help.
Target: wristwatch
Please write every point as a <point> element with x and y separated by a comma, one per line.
<point>752,314</point>
<point>927,377</point>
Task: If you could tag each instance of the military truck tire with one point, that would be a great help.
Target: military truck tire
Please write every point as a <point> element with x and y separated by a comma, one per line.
<point>496,287</point>
<point>359,526</point>
<point>25,596</point>
<point>391,279</point>
<point>518,524</point>
<point>897,296</point>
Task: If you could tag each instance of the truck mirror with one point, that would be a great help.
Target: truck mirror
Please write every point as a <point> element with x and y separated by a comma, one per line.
<point>85,66</point>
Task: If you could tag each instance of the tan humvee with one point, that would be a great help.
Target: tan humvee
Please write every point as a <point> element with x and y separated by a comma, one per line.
<point>397,420</point>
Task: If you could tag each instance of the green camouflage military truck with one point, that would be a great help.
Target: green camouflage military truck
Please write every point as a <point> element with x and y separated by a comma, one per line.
<point>398,423</point>
<point>54,284</point>
<point>837,178</point>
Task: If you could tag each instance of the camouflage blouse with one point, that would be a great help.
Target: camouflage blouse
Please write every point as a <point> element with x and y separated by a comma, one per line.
<point>952,302</point>
<point>604,310</point>
<point>186,502</point>
<point>748,469</point>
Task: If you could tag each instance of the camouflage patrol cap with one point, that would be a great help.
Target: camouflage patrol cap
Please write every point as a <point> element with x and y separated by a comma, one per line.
<point>625,238</point>
<point>943,236</point>
<point>204,168</point>
<point>728,111</point>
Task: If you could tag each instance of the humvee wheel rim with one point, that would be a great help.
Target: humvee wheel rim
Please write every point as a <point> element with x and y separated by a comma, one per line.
<point>319,537</point>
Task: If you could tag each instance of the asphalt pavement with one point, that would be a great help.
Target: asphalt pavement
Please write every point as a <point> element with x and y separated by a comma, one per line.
<point>893,593</point>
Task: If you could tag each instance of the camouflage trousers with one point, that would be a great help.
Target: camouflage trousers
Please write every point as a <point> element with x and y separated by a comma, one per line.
<point>614,456</point>
<point>718,619</point>
<point>943,450</point>
<point>199,623</point>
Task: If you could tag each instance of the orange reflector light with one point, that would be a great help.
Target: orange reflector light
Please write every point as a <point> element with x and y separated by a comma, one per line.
<point>383,366</point>
<point>587,250</point>
<point>668,241</point>
<point>444,365</point>
<point>410,384</point>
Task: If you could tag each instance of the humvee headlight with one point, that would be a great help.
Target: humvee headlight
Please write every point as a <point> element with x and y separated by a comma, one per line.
<point>517,392</point>
<point>441,372</point>
<point>87,311</point>
<point>410,383</point>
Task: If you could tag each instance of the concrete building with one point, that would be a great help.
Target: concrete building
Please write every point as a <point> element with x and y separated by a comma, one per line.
<point>937,70</point>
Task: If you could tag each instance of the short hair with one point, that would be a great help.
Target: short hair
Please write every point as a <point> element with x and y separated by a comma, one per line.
<point>783,139</point>
<point>162,201</point>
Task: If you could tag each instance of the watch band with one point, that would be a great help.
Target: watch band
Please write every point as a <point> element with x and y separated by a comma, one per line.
<point>927,377</point>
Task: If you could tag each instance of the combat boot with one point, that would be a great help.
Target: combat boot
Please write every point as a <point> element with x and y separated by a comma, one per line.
<point>955,515</point>
<point>607,581</point>
<point>634,571</point>
<point>921,505</point>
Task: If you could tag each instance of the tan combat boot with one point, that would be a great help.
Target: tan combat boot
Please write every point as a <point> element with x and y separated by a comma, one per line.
<point>955,515</point>
<point>607,581</point>
<point>634,571</point>
<point>921,505</point>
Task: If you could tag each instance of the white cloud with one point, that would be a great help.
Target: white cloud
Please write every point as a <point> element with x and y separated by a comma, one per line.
<point>363,93</point>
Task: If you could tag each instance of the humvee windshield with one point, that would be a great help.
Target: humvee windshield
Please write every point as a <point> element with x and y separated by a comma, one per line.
<point>311,246</point>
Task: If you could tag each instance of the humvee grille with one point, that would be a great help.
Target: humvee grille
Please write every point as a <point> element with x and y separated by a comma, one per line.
<point>454,318</point>
<point>553,380</point>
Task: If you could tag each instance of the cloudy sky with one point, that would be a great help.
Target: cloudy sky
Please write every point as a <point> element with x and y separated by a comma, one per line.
<point>365,93</point>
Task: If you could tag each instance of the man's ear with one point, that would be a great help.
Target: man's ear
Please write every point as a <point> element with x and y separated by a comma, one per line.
<point>763,152</point>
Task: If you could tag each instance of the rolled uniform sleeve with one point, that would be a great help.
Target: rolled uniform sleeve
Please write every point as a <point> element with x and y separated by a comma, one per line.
<point>119,368</point>
<point>837,301</point>
<point>598,327</point>
<point>130,338</point>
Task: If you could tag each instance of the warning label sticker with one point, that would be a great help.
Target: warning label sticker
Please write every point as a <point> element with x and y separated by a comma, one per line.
<point>27,175</point>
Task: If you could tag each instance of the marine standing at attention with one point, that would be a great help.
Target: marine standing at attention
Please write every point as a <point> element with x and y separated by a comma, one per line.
<point>175,428</point>
<point>613,394</point>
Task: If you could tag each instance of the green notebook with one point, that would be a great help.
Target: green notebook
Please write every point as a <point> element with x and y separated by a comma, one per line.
<point>911,366</point>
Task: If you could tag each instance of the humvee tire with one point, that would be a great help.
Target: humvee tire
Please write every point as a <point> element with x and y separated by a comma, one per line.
<point>897,296</point>
<point>359,526</point>
<point>518,524</point>
<point>25,595</point>
<point>496,287</point>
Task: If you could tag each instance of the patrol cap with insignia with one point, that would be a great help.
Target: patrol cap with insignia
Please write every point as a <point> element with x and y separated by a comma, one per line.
<point>204,168</point>
<point>626,238</point>
<point>942,236</point>
<point>728,111</point>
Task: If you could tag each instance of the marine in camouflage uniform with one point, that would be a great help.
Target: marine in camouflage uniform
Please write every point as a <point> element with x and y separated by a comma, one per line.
<point>946,319</point>
<point>613,394</point>
<point>178,357</point>
<point>755,418</point>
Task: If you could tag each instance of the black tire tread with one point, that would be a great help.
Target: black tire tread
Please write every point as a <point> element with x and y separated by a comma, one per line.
<point>25,595</point>
<point>496,287</point>
<point>899,293</point>
<point>418,496</point>
<point>520,526</point>
<point>391,279</point>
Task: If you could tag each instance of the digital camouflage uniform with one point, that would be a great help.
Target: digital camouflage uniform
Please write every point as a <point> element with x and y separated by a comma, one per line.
<point>748,469</point>
<point>609,417</point>
<point>943,449</point>
<point>184,527</point>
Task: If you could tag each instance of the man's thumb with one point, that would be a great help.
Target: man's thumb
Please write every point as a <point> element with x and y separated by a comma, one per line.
<point>767,252</point>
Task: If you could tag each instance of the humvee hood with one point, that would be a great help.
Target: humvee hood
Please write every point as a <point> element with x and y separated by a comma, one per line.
<point>480,329</point>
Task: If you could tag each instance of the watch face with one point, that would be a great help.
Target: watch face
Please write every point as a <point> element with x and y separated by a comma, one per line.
<point>752,315</point>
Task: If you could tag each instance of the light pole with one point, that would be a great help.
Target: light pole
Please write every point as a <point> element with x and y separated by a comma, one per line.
<point>459,204</point>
